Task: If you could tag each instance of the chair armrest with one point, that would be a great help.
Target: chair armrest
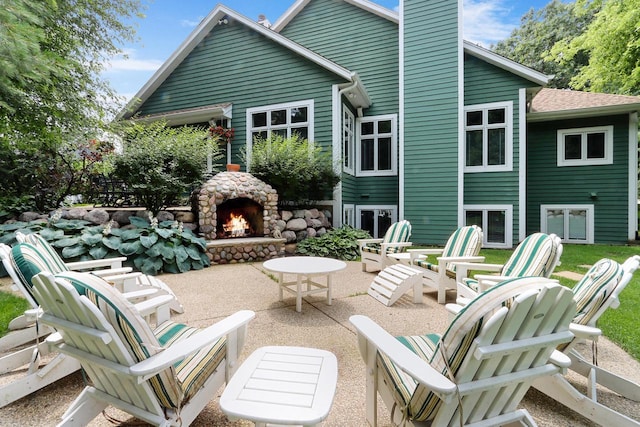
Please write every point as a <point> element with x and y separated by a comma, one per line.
<point>111,271</point>
<point>404,358</point>
<point>453,308</point>
<point>585,332</point>
<point>184,348</point>
<point>96,263</point>
<point>460,259</point>
<point>362,242</point>
<point>426,251</point>
<point>385,246</point>
<point>462,268</point>
<point>157,305</point>
<point>485,281</point>
<point>560,359</point>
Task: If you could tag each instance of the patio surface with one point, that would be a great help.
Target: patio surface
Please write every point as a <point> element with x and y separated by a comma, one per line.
<point>213,293</point>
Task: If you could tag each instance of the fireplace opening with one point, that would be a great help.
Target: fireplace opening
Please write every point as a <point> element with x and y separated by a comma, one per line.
<point>240,217</point>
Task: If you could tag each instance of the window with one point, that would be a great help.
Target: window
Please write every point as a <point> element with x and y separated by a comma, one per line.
<point>376,219</point>
<point>348,140</point>
<point>348,215</point>
<point>496,222</point>
<point>279,119</point>
<point>586,146</point>
<point>572,223</point>
<point>377,145</point>
<point>488,140</point>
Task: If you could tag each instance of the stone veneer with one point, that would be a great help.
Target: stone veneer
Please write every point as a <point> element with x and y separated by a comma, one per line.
<point>231,251</point>
<point>231,185</point>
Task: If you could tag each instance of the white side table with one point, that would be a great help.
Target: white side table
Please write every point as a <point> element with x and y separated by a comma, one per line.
<point>304,268</point>
<point>282,385</point>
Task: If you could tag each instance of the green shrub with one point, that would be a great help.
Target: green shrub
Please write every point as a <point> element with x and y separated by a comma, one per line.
<point>298,170</point>
<point>340,243</point>
<point>151,247</point>
<point>161,165</point>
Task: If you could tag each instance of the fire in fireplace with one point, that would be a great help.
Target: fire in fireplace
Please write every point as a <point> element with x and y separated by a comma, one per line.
<point>239,217</point>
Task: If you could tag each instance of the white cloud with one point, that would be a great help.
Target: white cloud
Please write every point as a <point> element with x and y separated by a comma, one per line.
<point>128,62</point>
<point>189,23</point>
<point>486,21</point>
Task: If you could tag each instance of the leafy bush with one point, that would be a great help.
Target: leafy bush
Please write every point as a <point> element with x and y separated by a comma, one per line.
<point>340,243</point>
<point>151,247</point>
<point>162,164</point>
<point>297,169</point>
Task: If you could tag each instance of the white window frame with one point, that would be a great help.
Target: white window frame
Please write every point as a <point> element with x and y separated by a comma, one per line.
<point>508,143</point>
<point>360,208</point>
<point>309,124</point>
<point>349,215</point>
<point>348,140</point>
<point>590,209</point>
<point>394,145</point>
<point>508,226</point>
<point>584,161</point>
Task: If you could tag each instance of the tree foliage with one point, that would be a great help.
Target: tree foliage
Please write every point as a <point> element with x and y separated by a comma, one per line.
<point>612,43</point>
<point>531,43</point>
<point>162,164</point>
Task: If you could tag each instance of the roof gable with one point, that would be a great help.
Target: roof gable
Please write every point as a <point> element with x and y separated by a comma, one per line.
<point>217,17</point>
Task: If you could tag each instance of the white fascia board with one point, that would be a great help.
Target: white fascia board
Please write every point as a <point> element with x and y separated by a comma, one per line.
<point>578,113</point>
<point>191,115</point>
<point>367,5</point>
<point>203,29</point>
<point>506,64</point>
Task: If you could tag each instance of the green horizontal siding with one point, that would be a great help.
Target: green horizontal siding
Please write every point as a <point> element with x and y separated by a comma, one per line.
<point>484,84</point>
<point>549,184</point>
<point>234,64</point>
<point>431,118</point>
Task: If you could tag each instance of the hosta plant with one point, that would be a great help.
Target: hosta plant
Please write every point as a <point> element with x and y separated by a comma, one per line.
<point>340,243</point>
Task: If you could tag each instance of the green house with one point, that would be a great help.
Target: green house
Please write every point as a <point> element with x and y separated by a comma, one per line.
<point>426,126</point>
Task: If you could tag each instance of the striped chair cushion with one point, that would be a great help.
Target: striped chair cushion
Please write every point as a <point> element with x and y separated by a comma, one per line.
<point>27,261</point>
<point>372,248</point>
<point>421,404</point>
<point>465,241</point>
<point>43,245</point>
<point>535,256</point>
<point>591,292</point>
<point>399,232</point>
<point>174,386</point>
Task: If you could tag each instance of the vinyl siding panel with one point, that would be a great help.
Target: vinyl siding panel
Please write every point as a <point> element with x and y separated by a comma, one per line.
<point>234,64</point>
<point>486,83</point>
<point>549,184</point>
<point>431,118</point>
<point>364,43</point>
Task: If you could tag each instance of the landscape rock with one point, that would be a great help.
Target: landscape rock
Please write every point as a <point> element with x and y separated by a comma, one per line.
<point>297,224</point>
<point>97,216</point>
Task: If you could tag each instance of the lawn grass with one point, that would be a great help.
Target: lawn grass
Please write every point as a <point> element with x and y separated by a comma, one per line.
<point>621,325</point>
<point>11,307</point>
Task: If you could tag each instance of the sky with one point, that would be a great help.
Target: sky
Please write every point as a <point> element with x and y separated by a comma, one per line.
<point>167,24</point>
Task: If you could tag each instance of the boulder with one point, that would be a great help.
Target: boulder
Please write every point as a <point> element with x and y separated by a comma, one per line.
<point>29,216</point>
<point>122,217</point>
<point>165,216</point>
<point>74,213</point>
<point>184,216</point>
<point>311,232</point>
<point>286,215</point>
<point>97,216</point>
<point>289,236</point>
<point>297,224</point>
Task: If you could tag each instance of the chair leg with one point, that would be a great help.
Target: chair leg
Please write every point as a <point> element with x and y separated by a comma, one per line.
<point>84,409</point>
<point>596,374</point>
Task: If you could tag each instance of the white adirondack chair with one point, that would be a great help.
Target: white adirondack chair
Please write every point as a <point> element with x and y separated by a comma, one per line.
<point>477,372</point>
<point>462,246</point>
<point>23,346</point>
<point>376,251</point>
<point>537,255</point>
<point>164,376</point>
<point>109,268</point>
<point>597,291</point>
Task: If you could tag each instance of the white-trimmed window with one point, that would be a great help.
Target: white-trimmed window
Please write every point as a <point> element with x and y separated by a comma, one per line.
<point>348,215</point>
<point>496,222</point>
<point>572,223</point>
<point>488,137</point>
<point>585,146</point>
<point>377,148</point>
<point>348,140</point>
<point>376,219</point>
<point>279,119</point>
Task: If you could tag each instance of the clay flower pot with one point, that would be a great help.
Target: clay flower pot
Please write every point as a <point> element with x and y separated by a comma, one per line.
<point>233,167</point>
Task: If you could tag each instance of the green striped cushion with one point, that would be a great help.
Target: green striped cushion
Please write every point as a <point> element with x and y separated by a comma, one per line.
<point>595,288</point>
<point>535,256</point>
<point>372,248</point>
<point>421,404</point>
<point>399,232</point>
<point>27,261</point>
<point>40,243</point>
<point>434,267</point>
<point>142,342</point>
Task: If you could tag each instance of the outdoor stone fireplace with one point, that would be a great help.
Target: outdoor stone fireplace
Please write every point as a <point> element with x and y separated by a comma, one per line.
<point>237,214</point>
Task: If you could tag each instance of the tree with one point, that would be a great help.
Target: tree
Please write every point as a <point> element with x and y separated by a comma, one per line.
<point>612,43</point>
<point>539,31</point>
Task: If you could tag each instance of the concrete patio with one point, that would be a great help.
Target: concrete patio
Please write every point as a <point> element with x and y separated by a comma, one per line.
<point>213,293</point>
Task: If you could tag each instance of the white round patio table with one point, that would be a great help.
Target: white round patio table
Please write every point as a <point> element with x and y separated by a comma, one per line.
<point>304,268</point>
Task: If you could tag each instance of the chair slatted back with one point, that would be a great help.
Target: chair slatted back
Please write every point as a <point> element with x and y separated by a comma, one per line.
<point>532,315</point>
<point>594,289</point>
<point>49,251</point>
<point>537,255</point>
<point>92,304</point>
<point>465,241</point>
